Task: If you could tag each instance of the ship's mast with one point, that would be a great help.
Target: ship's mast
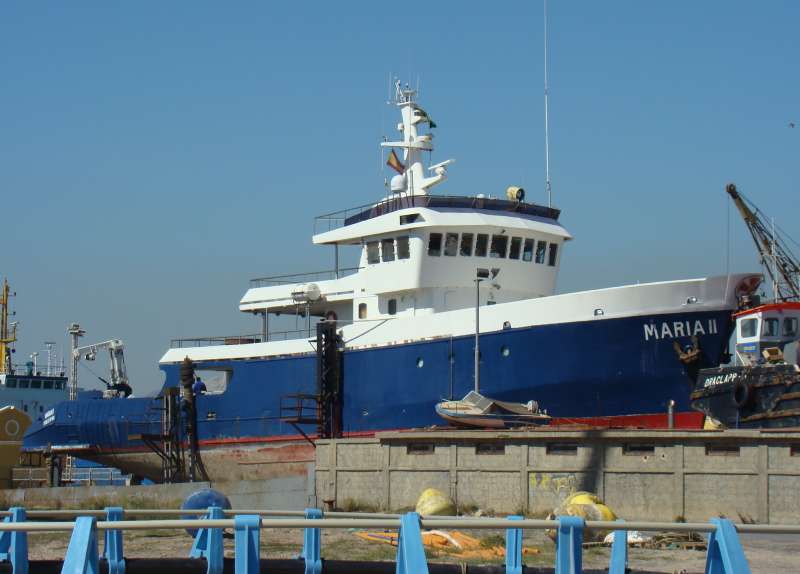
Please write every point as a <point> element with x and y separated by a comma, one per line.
<point>411,178</point>
<point>7,336</point>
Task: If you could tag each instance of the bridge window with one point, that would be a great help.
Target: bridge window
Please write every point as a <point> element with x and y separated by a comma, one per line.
<point>541,249</point>
<point>23,384</point>
<point>451,244</point>
<point>481,244</point>
<point>387,249</point>
<point>553,254</point>
<point>527,250</point>
<point>499,246</point>
<point>409,218</point>
<point>435,244</point>
<point>403,251</point>
<point>771,327</point>
<point>11,383</point>
<point>790,326</point>
<point>747,328</point>
<point>516,245</point>
<point>362,310</point>
<point>392,305</point>
<point>466,244</point>
<point>373,252</point>
<point>47,384</point>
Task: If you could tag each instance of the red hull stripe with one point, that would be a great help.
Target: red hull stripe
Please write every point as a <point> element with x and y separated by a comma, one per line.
<point>683,421</point>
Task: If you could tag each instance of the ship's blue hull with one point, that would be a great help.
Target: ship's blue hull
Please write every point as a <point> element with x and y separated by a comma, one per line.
<point>584,369</point>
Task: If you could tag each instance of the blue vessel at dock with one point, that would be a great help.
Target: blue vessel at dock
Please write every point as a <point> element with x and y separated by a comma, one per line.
<point>397,334</point>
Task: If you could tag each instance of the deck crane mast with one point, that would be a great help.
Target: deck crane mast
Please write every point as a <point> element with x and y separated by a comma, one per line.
<point>115,348</point>
<point>781,264</point>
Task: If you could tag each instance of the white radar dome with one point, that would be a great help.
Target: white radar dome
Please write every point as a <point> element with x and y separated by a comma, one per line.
<point>398,183</point>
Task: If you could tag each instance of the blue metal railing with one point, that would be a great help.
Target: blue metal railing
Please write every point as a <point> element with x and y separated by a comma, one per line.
<point>724,556</point>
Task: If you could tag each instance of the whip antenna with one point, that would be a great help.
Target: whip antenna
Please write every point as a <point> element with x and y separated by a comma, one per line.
<point>548,188</point>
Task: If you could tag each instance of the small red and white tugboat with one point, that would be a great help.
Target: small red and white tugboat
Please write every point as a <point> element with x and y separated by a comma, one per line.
<point>761,387</point>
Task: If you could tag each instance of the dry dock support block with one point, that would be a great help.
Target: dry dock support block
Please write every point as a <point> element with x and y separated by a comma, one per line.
<point>247,543</point>
<point>514,548</point>
<point>568,545</point>
<point>725,554</point>
<point>619,552</point>
<point>312,544</point>
<point>410,551</point>
<point>82,557</point>
<point>112,549</point>
<point>208,543</point>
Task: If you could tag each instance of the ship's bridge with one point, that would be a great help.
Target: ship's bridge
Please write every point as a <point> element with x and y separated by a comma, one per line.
<point>419,255</point>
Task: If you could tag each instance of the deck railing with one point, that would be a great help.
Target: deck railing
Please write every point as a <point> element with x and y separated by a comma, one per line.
<point>305,277</point>
<point>351,215</point>
<point>239,339</point>
<point>724,556</point>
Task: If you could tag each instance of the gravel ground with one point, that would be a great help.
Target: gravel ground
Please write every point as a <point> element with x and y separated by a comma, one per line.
<point>766,554</point>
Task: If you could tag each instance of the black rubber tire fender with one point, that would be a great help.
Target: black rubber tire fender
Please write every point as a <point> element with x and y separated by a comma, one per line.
<point>742,394</point>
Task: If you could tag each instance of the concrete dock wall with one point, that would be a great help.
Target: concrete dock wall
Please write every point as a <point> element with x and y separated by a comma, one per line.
<point>653,475</point>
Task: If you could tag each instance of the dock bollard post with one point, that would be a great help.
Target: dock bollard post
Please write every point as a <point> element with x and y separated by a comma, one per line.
<point>619,552</point>
<point>514,548</point>
<point>247,543</point>
<point>112,547</point>
<point>14,545</point>
<point>208,543</point>
<point>725,554</point>
<point>410,551</point>
<point>82,557</point>
<point>312,544</point>
<point>568,545</point>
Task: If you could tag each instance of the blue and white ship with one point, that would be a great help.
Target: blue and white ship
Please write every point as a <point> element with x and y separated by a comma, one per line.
<point>26,387</point>
<point>405,326</point>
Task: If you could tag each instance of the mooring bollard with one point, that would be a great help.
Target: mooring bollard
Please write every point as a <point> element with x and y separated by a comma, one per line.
<point>14,545</point>
<point>247,543</point>
<point>112,547</point>
<point>568,545</point>
<point>619,552</point>
<point>410,551</point>
<point>312,544</point>
<point>82,557</point>
<point>725,554</point>
<point>208,543</point>
<point>514,548</point>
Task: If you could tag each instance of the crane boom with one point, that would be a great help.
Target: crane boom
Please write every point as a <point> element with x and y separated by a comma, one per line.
<point>781,264</point>
<point>119,375</point>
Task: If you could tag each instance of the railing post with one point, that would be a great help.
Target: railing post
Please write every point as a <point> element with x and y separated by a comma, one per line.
<point>312,544</point>
<point>247,543</point>
<point>619,552</point>
<point>14,545</point>
<point>725,554</point>
<point>208,543</point>
<point>112,549</point>
<point>514,548</point>
<point>568,545</point>
<point>82,555</point>
<point>410,551</point>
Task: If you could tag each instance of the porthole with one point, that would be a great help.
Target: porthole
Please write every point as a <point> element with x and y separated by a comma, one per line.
<point>420,362</point>
<point>505,351</point>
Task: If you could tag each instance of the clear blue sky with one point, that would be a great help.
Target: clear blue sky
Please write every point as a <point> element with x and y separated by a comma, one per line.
<point>155,156</point>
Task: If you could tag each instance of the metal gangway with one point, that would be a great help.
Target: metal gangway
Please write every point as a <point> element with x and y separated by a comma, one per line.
<point>724,555</point>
